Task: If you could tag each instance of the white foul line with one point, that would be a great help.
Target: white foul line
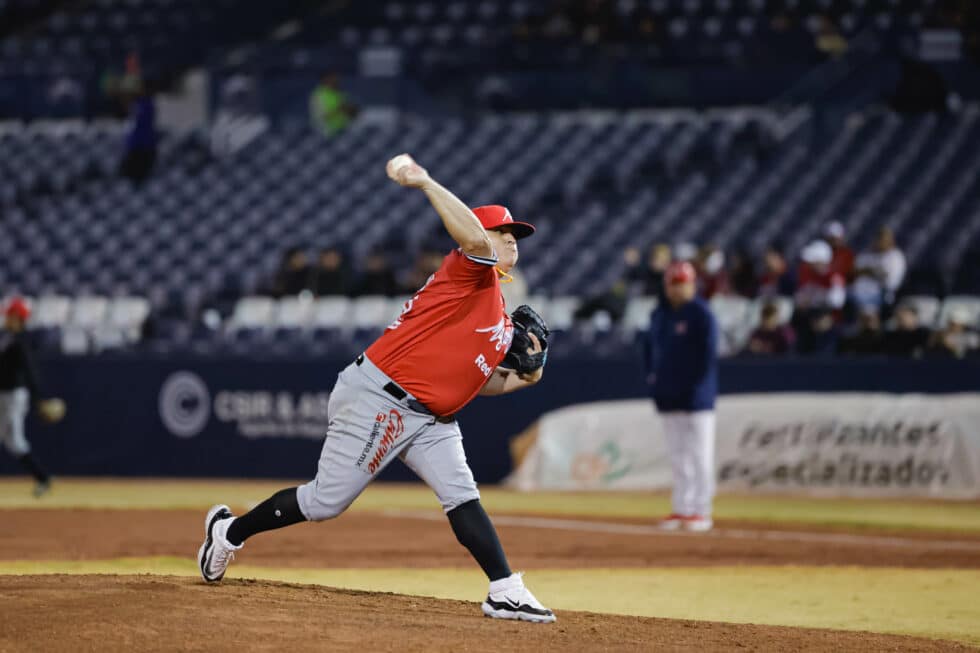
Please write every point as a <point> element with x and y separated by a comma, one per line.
<point>718,533</point>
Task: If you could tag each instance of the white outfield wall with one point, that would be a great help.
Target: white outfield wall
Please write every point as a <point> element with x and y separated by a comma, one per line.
<point>848,444</point>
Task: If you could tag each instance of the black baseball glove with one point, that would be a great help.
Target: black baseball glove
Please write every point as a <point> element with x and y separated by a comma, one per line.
<point>527,321</point>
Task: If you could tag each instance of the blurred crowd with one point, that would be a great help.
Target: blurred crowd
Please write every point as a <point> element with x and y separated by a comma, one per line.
<point>332,273</point>
<point>828,300</point>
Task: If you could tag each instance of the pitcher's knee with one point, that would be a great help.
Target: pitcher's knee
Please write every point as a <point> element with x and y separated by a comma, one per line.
<point>319,506</point>
<point>450,503</point>
<point>322,512</point>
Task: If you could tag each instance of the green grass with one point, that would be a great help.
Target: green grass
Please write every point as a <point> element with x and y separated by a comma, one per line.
<point>197,494</point>
<point>937,603</point>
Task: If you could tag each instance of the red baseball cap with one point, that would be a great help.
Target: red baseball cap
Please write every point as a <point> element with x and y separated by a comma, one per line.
<point>17,307</point>
<point>495,216</point>
<point>680,272</point>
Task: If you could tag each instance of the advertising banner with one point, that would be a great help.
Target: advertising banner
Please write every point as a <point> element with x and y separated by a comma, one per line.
<point>850,444</point>
<point>143,415</point>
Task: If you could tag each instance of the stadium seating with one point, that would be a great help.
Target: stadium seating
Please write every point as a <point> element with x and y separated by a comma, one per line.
<point>688,29</point>
<point>289,326</point>
<point>592,183</point>
<point>59,66</point>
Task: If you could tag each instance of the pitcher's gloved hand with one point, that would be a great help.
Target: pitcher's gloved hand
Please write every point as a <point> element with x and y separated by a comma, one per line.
<point>525,355</point>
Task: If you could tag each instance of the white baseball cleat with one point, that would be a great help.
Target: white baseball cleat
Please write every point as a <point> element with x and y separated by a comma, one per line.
<point>698,524</point>
<point>671,522</point>
<point>509,599</point>
<point>217,552</point>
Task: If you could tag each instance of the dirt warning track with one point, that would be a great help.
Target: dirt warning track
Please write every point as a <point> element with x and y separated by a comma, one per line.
<point>360,540</point>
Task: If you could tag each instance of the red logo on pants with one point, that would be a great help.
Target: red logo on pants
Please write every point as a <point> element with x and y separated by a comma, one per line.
<point>393,431</point>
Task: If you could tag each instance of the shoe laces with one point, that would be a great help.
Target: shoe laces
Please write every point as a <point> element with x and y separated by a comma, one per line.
<point>222,556</point>
<point>224,552</point>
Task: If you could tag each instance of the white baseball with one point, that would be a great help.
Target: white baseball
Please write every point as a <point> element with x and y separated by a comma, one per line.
<point>399,162</point>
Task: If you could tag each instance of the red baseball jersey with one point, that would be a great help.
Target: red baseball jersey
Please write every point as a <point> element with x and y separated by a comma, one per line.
<point>449,337</point>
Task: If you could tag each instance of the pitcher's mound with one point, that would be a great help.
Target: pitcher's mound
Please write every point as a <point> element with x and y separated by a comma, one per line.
<point>167,613</point>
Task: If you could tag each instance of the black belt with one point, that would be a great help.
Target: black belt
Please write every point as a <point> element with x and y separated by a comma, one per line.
<point>399,394</point>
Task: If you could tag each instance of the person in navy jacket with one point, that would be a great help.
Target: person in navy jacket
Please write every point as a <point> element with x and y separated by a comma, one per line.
<point>681,355</point>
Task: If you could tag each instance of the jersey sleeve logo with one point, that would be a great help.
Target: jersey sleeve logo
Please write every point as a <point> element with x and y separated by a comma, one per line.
<point>500,334</point>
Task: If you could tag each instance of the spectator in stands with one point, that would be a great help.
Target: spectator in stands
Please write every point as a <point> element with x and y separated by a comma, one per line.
<point>331,275</point>
<point>867,338</point>
<point>820,287</point>
<point>132,80</point>
<point>778,279</point>
<point>820,334</point>
<point>712,275</point>
<point>741,274</point>
<point>596,21</point>
<point>820,295</point>
<point>140,152</point>
<point>330,109</point>
<point>909,338</point>
<point>647,279</point>
<point>685,252</point>
<point>557,25</point>
<point>828,38</point>
<point>294,273</point>
<point>842,261</point>
<point>772,337</point>
<point>428,260</point>
<point>378,277</point>
<point>609,306</point>
<point>958,339</point>
<point>638,279</point>
<point>878,272</point>
<point>118,89</point>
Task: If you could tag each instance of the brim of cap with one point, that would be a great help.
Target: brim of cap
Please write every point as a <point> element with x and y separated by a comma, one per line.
<point>519,229</point>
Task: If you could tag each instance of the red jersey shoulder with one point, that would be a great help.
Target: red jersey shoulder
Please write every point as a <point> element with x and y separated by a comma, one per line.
<point>471,270</point>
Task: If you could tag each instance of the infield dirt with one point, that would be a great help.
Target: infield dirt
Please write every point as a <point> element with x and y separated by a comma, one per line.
<point>141,612</point>
<point>165,613</point>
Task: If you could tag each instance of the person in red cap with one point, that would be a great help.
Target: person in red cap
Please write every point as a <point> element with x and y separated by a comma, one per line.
<point>19,390</point>
<point>681,355</point>
<point>399,399</point>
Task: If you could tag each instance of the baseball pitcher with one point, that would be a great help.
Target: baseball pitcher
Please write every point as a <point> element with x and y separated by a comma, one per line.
<point>452,341</point>
<point>18,390</point>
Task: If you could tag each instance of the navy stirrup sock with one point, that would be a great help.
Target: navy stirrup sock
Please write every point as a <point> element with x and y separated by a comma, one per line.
<point>475,531</point>
<point>281,509</point>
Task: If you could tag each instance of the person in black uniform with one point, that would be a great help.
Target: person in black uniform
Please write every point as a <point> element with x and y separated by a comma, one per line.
<point>18,389</point>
